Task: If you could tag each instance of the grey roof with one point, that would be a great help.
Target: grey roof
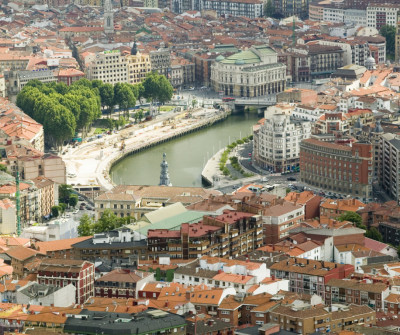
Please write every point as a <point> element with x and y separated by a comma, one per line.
<point>149,321</point>
<point>88,244</point>
<point>35,74</point>
<point>38,290</point>
<point>194,269</point>
<point>248,331</point>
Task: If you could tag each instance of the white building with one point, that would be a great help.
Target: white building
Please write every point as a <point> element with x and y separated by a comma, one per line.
<point>357,17</point>
<point>46,295</point>
<point>57,229</point>
<point>249,73</point>
<point>333,14</point>
<point>276,142</point>
<point>308,113</point>
<point>380,14</point>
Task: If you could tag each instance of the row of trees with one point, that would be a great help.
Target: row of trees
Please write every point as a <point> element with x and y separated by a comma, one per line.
<point>155,88</point>
<point>64,110</point>
<point>108,221</point>
<point>389,32</point>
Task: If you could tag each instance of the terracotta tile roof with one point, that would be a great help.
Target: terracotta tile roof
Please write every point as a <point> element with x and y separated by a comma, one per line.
<point>207,297</point>
<point>21,253</point>
<point>233,278</point>
<point>393,298</point>
<point>64,244</point>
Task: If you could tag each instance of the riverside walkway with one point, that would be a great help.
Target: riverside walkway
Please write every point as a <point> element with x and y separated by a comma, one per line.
<point>92,161</point>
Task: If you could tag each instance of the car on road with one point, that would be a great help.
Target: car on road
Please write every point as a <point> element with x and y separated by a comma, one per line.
<point>80,198</point>
<point>76,211</point>
<point>291,179</point>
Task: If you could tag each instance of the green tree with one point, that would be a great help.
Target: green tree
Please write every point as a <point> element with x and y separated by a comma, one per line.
<point>63,206</point>
<point>389,32</point>
<point>374,234</point>
<point>73,200</point>
<point>64,192</point>
<point>269,9</point>
<point>352,217</point>
<point>55,211</point>
<point>86,225</point>
<point>124,97</point>
<point>158,274</point>
<point>107,97</point>
<point>107,222</point>
<point>165,90</point>
<point>3,168</point>
<point>398,251</point>
<point>194,102</point>
<point>170,275</point>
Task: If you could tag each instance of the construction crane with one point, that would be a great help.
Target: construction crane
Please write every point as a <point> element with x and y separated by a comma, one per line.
<point>18,204</point>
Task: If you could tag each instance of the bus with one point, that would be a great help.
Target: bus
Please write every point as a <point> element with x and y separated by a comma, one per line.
<point>228,99</point>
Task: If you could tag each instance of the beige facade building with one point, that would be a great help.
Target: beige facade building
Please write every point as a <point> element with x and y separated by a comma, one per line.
<point>250,73</point>
<point>8,217</point>
<point>113,67</point>
<point>46,188</point>
<point>134,201</point>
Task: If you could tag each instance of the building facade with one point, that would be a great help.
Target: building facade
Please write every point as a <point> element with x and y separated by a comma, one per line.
<point>389,163</point>
<point>336,168</point>
<point>276,142</point>
<point>382,13</point>
<point>113,67</point>
<point>62,272</point>
<point>250,73</point>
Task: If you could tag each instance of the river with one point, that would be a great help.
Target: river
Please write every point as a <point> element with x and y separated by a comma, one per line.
<point>186,156</point>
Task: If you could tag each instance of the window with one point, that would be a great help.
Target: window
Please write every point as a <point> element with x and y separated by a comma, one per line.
<point>225,312</point>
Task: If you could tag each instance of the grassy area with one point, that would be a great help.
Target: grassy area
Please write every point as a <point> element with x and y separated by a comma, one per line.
<point>99,131</point>
<point>166,108</point>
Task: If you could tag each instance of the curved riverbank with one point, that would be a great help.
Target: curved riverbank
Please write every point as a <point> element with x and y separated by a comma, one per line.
<point>92,162</point>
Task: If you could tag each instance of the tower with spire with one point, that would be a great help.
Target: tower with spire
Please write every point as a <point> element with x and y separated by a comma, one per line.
<point>164,176</point>
<point>108,17</point>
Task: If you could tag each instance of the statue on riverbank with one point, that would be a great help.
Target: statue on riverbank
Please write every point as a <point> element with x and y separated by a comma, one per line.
<point>164,176</point>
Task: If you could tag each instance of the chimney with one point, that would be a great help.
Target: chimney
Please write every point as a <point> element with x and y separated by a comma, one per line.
<point>187,294</point>
<point>273,277</point>
<point>166,303</point>
<point>247,260</point>
<point>243,277</point>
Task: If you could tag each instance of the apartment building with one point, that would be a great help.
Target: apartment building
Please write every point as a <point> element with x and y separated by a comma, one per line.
<point>389,161</point>
<point>230,234</point>
<point>251,9</point>
<point>222,273</point>
<point>121,283</point>
<point>160,61</point>
<point>382,13</point>
<point>292,7</point>
<point>62,272</point>
<point>358,292</point>
<point>325,60</point>
<point>114,67</point>
<point>121,244</point>
<point>250,73</point>
<point>276,142</point>
<point>8,217</point>
<point>280,219</point>
<point>336,168</point>
<point>309,276</point>
<point>307,319</point>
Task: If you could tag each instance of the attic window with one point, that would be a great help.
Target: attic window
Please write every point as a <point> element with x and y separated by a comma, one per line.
<point>199,295</point>
<point>192,295</point>
<point>213,297</point>
<point>206,295</point>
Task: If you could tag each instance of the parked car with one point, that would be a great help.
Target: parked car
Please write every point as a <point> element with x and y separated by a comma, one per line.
<point>291,179</point>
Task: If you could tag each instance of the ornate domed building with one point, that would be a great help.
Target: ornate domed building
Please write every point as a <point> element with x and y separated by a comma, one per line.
<point>249,73</point>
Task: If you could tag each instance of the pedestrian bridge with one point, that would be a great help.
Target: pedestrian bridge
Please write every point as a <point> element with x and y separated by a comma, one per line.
<point>263,101</point>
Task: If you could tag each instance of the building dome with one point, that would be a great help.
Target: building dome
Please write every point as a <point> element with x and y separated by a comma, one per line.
<point>370,63</point>
<point>220,58</point>
<point>239,61</point>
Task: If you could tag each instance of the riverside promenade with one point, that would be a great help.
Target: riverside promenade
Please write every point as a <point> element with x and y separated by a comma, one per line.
<point>92,161</point>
